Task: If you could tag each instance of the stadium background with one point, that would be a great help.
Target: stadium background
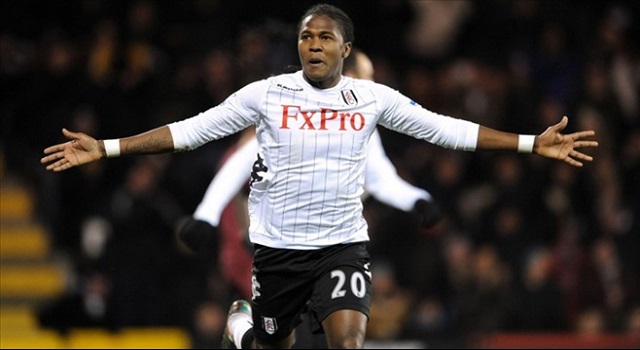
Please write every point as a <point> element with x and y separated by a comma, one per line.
<point>527,246</point>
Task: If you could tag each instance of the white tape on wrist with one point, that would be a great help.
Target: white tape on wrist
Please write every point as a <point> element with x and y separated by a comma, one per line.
<point>112,148</point>
<point>525,143</point>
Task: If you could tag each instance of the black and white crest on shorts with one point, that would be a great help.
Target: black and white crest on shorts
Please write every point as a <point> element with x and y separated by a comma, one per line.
<point>349,97</point>
<point>269,324</point>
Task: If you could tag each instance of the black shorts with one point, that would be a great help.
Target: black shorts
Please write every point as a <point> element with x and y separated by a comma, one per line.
<point>287,282</point>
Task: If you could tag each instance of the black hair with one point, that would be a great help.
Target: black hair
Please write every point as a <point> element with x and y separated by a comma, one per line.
<point>344,21</point>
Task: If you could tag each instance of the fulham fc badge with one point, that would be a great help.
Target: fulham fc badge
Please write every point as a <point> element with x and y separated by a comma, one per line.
<point>269,324</point>
<point>349,97</point>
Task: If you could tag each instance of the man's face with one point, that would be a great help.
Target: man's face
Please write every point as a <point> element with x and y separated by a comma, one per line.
<point>322,49</point>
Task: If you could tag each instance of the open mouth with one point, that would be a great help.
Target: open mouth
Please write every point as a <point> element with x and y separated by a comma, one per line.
<point>315,62</point>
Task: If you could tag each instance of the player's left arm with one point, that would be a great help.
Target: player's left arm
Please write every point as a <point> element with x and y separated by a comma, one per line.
<point>401,114</point>
<point>550,144</point>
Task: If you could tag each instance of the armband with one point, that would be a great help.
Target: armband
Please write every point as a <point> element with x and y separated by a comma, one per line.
<point>525,143</point>
<point>112,148</point>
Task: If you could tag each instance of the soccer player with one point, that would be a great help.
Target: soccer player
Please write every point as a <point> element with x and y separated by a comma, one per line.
<point>306,222</point>
<point>217,225</point>
<point>381,181</point>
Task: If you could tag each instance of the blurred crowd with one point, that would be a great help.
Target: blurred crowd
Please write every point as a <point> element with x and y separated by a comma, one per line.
<point>526,244</point>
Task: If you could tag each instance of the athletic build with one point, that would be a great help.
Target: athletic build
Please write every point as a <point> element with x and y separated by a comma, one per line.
<point>381,178</point>
<point>313,128</point>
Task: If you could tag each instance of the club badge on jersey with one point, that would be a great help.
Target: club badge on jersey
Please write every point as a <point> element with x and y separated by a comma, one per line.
<point>349,97</point>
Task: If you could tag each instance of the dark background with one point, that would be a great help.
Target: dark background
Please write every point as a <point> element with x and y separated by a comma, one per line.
<point>526,244</point>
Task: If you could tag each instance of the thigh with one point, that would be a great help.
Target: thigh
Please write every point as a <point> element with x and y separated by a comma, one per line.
<point>305,338</point>
<point>282,282</point>
<point>344,284</point>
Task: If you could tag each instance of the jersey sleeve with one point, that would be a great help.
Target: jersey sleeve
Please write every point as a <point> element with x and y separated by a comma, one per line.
<point>383,182</point>
<point>401,114</point>
<point>236,113</point>
<point>229,180</point>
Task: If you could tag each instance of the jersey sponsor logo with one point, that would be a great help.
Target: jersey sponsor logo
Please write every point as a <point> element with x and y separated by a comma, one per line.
<point>325,119</point>
<point>349,97</point>
<point>269,324</point>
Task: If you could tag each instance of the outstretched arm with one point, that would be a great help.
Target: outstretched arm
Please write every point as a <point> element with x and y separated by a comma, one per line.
<point>83,149</point>
<point>550,144</point>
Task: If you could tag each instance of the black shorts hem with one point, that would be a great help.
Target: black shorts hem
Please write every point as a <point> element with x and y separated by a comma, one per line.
<point>355,307</point>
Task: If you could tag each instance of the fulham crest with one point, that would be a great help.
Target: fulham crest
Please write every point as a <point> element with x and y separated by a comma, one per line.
<point>349,97</point>
<point>269,324</point>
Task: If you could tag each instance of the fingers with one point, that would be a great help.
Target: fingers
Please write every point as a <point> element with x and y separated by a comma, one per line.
<point>578,155</point>
<point>580,144</point>
<point>56,160</point>
<point>561,125</point>
<point>582,156</point>
<point>56,155</point>
<point>573,162</point>
<point>61,164</point>
<point>573,155</point>
<point>70,134</point>
<point>582,134</point>
<point>55,148</point>
<point>49,158</point>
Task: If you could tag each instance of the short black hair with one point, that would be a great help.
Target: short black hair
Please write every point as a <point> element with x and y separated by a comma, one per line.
<point>344,21</point>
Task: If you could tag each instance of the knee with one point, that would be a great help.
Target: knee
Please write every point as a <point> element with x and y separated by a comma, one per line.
<point>345,329</point>
<point>347,341</point>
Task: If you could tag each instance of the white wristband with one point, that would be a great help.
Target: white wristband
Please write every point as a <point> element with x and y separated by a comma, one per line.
<point>112,148</point>
<point>525,143</point>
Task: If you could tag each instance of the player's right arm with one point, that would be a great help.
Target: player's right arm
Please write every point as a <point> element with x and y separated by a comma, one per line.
<point>236,113</point>
<point>83,149</point>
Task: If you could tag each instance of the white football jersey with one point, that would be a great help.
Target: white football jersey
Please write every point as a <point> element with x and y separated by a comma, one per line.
<point>307,183</point>
<point>381,180</point>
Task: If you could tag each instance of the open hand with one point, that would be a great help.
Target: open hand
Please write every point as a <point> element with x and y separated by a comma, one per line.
<point>552,144</point>
<point>82,149</point>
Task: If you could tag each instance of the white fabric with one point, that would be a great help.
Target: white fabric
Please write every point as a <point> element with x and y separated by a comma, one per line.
<point>313,144</point>
<point>112,148</point>
<point>381,180</point>
<point>525,143</point>
<point>229,180</point>
<point>238,324</point>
